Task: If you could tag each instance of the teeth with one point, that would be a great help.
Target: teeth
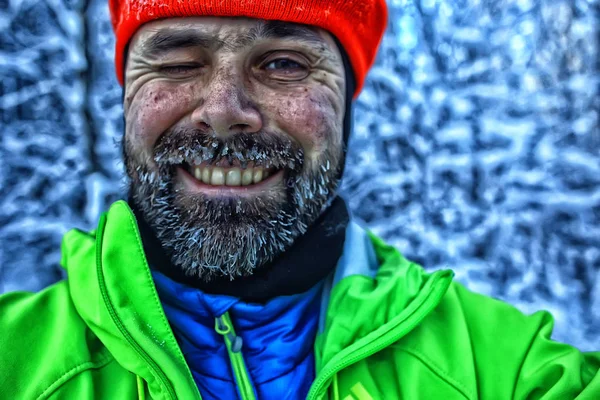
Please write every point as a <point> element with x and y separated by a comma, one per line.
<point>247,177</point>
<point>234,177</point>
<point>218,177</point>
<point>205,175</point>
<point>258,175</point>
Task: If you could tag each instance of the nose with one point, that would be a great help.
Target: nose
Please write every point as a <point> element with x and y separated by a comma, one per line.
<point>225,109</point>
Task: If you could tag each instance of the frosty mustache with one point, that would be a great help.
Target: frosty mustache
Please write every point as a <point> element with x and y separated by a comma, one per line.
<point>194,147</point>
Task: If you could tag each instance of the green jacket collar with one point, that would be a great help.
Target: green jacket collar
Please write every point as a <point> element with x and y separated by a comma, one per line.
<point>375,298</point>
<point>113,291</point>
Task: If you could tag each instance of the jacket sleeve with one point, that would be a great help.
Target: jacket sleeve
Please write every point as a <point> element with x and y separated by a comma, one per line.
<point>514,354</point>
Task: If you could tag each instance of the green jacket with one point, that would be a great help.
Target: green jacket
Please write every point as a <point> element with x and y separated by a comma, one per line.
<point>388,331</point>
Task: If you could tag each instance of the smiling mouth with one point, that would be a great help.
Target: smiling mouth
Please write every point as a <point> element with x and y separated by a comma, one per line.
<point>228,176</point>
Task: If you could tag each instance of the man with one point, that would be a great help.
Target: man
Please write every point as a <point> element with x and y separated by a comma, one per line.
<point>234,270</point>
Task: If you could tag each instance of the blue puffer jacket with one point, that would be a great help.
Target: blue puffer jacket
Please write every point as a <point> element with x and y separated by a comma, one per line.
<point>277,339</point>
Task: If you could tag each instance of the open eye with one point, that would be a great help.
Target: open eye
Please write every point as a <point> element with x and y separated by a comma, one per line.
<point>285,69</point>
<point>283,63</point>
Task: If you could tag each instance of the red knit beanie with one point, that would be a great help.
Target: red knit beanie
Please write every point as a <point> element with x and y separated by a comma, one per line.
<point>357,24</point>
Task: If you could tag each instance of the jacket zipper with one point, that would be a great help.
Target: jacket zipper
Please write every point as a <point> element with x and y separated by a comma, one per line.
<point>224,327</point>
<point>157,372</point>
<point>350,355</point>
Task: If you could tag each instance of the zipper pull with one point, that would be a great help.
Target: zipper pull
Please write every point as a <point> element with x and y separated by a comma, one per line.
<point>223,328</point>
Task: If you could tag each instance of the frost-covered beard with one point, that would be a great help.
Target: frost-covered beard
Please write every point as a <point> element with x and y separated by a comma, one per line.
<point>207,236</point>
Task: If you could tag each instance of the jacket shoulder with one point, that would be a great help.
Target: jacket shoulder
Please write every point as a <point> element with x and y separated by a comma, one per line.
<point>490,348</point>
<point>44,342</point>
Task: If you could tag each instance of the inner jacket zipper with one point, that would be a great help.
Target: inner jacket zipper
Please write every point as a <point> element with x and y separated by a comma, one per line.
<point>224,327</point>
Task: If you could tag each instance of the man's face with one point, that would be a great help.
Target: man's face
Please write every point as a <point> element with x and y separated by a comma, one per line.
<point>233,140</point>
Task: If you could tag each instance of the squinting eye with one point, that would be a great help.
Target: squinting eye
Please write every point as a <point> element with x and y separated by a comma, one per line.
<point>283,63</point>
<point>179,69</point>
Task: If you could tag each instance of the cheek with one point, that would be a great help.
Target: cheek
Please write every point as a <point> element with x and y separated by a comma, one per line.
<point>311,120</point>
<point>155,109</point>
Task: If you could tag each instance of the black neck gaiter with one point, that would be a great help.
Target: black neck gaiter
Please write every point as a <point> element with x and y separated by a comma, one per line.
<point>310,259</point>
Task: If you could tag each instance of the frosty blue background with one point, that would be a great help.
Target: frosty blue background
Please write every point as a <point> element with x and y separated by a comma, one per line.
<point>475,147</point>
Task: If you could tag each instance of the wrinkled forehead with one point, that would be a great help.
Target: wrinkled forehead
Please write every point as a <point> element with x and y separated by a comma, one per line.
<point>226,34</point>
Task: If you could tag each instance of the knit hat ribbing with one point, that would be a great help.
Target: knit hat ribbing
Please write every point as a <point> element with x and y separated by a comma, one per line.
<point>358,24</point>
